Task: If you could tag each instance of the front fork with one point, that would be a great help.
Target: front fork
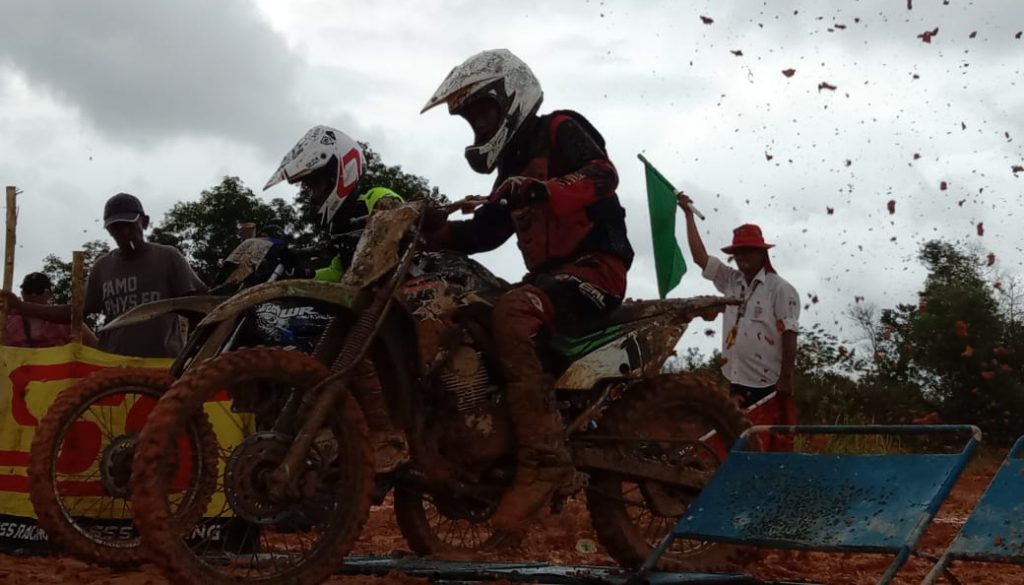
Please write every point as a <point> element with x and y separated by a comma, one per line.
<point>326,352</point>
<point>321,401</point>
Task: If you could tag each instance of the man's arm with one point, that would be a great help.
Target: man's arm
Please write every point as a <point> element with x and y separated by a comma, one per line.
<point>697,250</point>
<point>54,313</point>
<point>490,227</point>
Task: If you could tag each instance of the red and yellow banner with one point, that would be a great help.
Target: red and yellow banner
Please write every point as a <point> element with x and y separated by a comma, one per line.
<point>30,380</point>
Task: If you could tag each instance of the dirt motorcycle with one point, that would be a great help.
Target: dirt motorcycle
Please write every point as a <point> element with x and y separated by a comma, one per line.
<point>646,442</point>
<point>80,458</point>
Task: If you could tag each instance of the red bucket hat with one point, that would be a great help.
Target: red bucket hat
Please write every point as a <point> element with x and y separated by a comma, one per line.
<point>747,235</point>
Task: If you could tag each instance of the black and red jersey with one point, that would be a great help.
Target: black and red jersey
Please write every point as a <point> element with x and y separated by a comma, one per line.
<point>581,219</point>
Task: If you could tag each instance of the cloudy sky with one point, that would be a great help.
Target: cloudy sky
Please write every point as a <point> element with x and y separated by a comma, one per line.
<point>163,99</point>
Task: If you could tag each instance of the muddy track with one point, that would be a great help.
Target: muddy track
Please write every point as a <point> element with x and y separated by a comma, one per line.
<point>555,539</point>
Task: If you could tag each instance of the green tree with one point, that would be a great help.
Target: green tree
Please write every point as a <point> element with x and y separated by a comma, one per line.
<point>696,362</point>
<point>826,390</point>
<point>377,174</point>
<point>206,230</point>
<point>957,340</point>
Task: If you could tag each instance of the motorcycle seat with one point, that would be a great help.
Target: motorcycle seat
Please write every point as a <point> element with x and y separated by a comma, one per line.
<point>628,312</point>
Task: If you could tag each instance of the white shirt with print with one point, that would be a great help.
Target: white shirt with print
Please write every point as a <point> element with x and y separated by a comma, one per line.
<point>772,307</point>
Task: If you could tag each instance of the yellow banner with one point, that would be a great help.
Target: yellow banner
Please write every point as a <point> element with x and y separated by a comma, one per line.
<point>30,379</point>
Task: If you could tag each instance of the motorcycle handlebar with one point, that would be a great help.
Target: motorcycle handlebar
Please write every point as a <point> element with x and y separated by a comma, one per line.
<point>468,204</point>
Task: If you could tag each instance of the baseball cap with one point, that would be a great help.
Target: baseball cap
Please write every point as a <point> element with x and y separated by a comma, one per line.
<point>122,207</point>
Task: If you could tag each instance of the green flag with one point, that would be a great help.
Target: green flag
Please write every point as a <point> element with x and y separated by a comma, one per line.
<point>661,201</point>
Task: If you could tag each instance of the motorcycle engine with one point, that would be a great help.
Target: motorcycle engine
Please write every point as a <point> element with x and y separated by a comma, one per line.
<point>479,430</point>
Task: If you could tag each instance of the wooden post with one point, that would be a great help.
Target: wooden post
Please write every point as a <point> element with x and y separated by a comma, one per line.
<point>77,295</point>
<point>10,242</point>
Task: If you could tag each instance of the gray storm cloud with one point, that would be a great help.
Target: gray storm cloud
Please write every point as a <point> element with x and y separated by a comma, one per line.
<point>144,71</point>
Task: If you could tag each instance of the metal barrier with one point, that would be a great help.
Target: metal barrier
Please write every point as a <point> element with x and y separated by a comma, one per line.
<point>994,532</point>
<point>824,502</point>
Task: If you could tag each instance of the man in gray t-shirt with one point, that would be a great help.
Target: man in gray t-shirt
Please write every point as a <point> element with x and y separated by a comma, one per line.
<point>119,282</point>
<point>134,273</point>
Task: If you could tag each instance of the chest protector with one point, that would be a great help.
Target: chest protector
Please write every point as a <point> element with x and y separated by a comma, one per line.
<point>547,239</point>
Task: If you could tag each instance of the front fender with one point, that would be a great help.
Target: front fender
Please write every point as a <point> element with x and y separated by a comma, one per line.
<point>194,305</point>
<point>327,292</point>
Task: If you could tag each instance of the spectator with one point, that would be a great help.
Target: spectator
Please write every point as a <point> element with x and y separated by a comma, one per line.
<point>758,335</point>
<point>24,331</point>
<point>134,273</point>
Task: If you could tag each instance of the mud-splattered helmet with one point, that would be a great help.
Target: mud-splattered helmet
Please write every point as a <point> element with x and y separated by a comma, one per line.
<point>495,75</point>
<point>328,164</point>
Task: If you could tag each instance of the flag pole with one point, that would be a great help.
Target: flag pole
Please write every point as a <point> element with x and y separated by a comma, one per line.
<point>667,182</point>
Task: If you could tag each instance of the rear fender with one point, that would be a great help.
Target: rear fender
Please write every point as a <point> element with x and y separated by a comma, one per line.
<point>642,346</point>
<point>194,306</point>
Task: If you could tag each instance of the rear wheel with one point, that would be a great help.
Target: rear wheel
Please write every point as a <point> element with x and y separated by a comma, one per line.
<point>81,459</point>
<point>436,524</point>
<point>248,535</point>
<point>630,516</point>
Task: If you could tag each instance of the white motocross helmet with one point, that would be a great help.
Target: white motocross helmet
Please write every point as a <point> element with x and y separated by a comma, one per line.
<point>329,165</point>
<point>498,75</point>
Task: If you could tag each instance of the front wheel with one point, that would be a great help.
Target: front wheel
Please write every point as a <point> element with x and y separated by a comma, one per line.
<point>248,535</point>
<point>630,515</point>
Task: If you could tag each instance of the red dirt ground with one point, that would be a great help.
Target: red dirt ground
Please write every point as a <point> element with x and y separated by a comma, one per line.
<point>557,543</point>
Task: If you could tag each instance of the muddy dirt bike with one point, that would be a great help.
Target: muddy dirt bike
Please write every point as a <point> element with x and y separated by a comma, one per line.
<point>81,454</point>
<point>648,442</point>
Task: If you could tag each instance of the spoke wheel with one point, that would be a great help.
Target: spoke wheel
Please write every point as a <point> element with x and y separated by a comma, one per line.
<point>81,458</point>
<point>632,515</point>
<point>247,535</point>
<point>435,524</point>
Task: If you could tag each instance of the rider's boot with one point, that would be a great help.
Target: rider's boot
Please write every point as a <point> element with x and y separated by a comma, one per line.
<point>390,448</point>
<point>544,463</point>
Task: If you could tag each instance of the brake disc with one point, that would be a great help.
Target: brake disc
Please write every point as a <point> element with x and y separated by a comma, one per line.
<point>246,475</point>
<point>116,465</point>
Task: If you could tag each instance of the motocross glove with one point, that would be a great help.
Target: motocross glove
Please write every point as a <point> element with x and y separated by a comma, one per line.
<point>519,192</point>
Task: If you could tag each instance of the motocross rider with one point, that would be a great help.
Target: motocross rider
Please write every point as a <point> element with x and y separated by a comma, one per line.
<point>375,198</point>
<point>328,166</point>
<point>555,190</point>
